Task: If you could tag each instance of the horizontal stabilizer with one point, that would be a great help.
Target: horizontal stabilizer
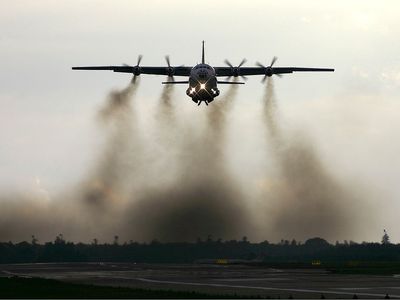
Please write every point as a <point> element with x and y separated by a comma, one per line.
<point>175,82</point>
<point>230,82</point>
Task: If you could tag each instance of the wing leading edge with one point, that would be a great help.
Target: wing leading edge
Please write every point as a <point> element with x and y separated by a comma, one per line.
<point>220,71</point>
<point>167,71</point>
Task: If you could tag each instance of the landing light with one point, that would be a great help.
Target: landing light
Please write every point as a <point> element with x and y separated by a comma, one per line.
<point>202,86</point>
<point>192,90</point>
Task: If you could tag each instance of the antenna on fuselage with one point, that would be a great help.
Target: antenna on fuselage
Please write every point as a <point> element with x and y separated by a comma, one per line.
<point>202,55</point>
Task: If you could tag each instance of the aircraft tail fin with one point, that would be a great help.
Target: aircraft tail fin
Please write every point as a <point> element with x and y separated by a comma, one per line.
<point>202,55</point>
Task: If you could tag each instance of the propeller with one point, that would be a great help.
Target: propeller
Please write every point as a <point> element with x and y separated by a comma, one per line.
<point>136,69</point>
<point>268,70</point>
<point>170,70</point>
<point>236,70</point>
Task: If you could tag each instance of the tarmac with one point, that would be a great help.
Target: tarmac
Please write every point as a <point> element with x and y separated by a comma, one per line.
<point>216,279</point>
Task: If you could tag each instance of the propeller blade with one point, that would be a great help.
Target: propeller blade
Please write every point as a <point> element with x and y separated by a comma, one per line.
<point>167,60</point>
<point>242,62</point>
<point>133,80</point>
<point>244,77</point>
<point>264,78</point>
<point>139,60</point>
<point>228,63</point>
<point>274,59</point>
<point>260,65</point>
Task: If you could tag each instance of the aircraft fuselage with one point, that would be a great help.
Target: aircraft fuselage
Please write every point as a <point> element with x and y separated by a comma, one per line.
<point>202,84</point>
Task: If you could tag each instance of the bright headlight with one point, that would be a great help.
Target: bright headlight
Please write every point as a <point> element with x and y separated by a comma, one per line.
<point>202,86</point>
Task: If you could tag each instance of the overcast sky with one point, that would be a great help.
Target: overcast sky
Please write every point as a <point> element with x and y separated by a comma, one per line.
<point>48,131</point>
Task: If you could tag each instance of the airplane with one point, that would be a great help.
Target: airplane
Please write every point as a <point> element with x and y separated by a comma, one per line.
<point>203,82</point>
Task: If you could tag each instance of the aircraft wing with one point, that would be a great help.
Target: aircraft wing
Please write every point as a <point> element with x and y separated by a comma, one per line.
<point>167,71</point>
<point>246,71</point>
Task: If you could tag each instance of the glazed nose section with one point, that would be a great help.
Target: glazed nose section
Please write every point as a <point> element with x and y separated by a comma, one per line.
<point>202,74</point>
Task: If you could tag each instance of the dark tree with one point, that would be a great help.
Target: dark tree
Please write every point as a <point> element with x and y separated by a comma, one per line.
<point>34,240</point>
<point>59,239</point>
<point>209,238</point>
<point>385,238</point>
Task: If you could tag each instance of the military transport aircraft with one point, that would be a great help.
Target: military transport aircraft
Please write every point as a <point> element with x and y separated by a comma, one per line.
<point>203,77</point>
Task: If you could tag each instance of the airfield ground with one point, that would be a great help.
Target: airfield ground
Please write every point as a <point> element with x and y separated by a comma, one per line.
<point>215,279</point>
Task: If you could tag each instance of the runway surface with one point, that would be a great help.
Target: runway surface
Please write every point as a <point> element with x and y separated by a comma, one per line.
<point>216,279</point>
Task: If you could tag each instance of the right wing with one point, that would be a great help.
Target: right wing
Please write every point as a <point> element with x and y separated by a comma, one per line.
<point>167,71</point>
<point>245,71</point>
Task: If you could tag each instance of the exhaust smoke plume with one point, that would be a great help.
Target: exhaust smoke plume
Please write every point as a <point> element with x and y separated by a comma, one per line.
<point>166,119</point>
<point>92,209</point>
<point>178,186</point>
<point>306,201</point>
<point>166,106</point>
<point>203,200</point>
<point>122,147</point>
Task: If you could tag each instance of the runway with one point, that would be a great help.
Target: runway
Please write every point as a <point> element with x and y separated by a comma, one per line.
<point>216,279</point>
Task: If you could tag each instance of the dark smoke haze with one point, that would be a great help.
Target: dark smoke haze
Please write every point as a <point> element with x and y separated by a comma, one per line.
<point>92,209</point>
<point>307,200</point>
<point>122,145</point>
<point>178,187</point>
<point>204,198</point>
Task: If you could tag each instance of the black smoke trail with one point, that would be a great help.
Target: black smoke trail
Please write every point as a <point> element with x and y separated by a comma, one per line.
<point>307,201</point>
<point>204,200</point>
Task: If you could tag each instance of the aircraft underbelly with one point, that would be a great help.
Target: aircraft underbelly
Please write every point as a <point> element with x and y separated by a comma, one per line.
<point>204,94</point>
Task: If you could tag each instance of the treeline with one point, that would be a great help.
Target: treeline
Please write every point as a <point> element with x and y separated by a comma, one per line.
<point>200,251</point>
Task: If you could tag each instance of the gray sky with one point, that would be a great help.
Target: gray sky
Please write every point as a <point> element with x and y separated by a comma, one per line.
<point>48,132</point>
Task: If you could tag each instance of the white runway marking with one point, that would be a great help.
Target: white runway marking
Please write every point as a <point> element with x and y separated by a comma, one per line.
<point>369,288</point>
<point>254,279</point>
<point>264,288</point>
<point>10,274</point>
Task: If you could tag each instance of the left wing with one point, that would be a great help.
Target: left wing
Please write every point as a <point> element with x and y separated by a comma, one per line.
<point>137,70</point>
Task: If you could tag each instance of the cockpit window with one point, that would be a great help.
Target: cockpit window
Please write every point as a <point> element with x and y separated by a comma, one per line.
<point>202,67</point>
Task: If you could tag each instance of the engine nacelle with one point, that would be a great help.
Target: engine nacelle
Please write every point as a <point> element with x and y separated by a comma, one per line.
<point>170,71</point>
<point>137,70</point>
<point>268,72</point>
<point>235,71</point>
